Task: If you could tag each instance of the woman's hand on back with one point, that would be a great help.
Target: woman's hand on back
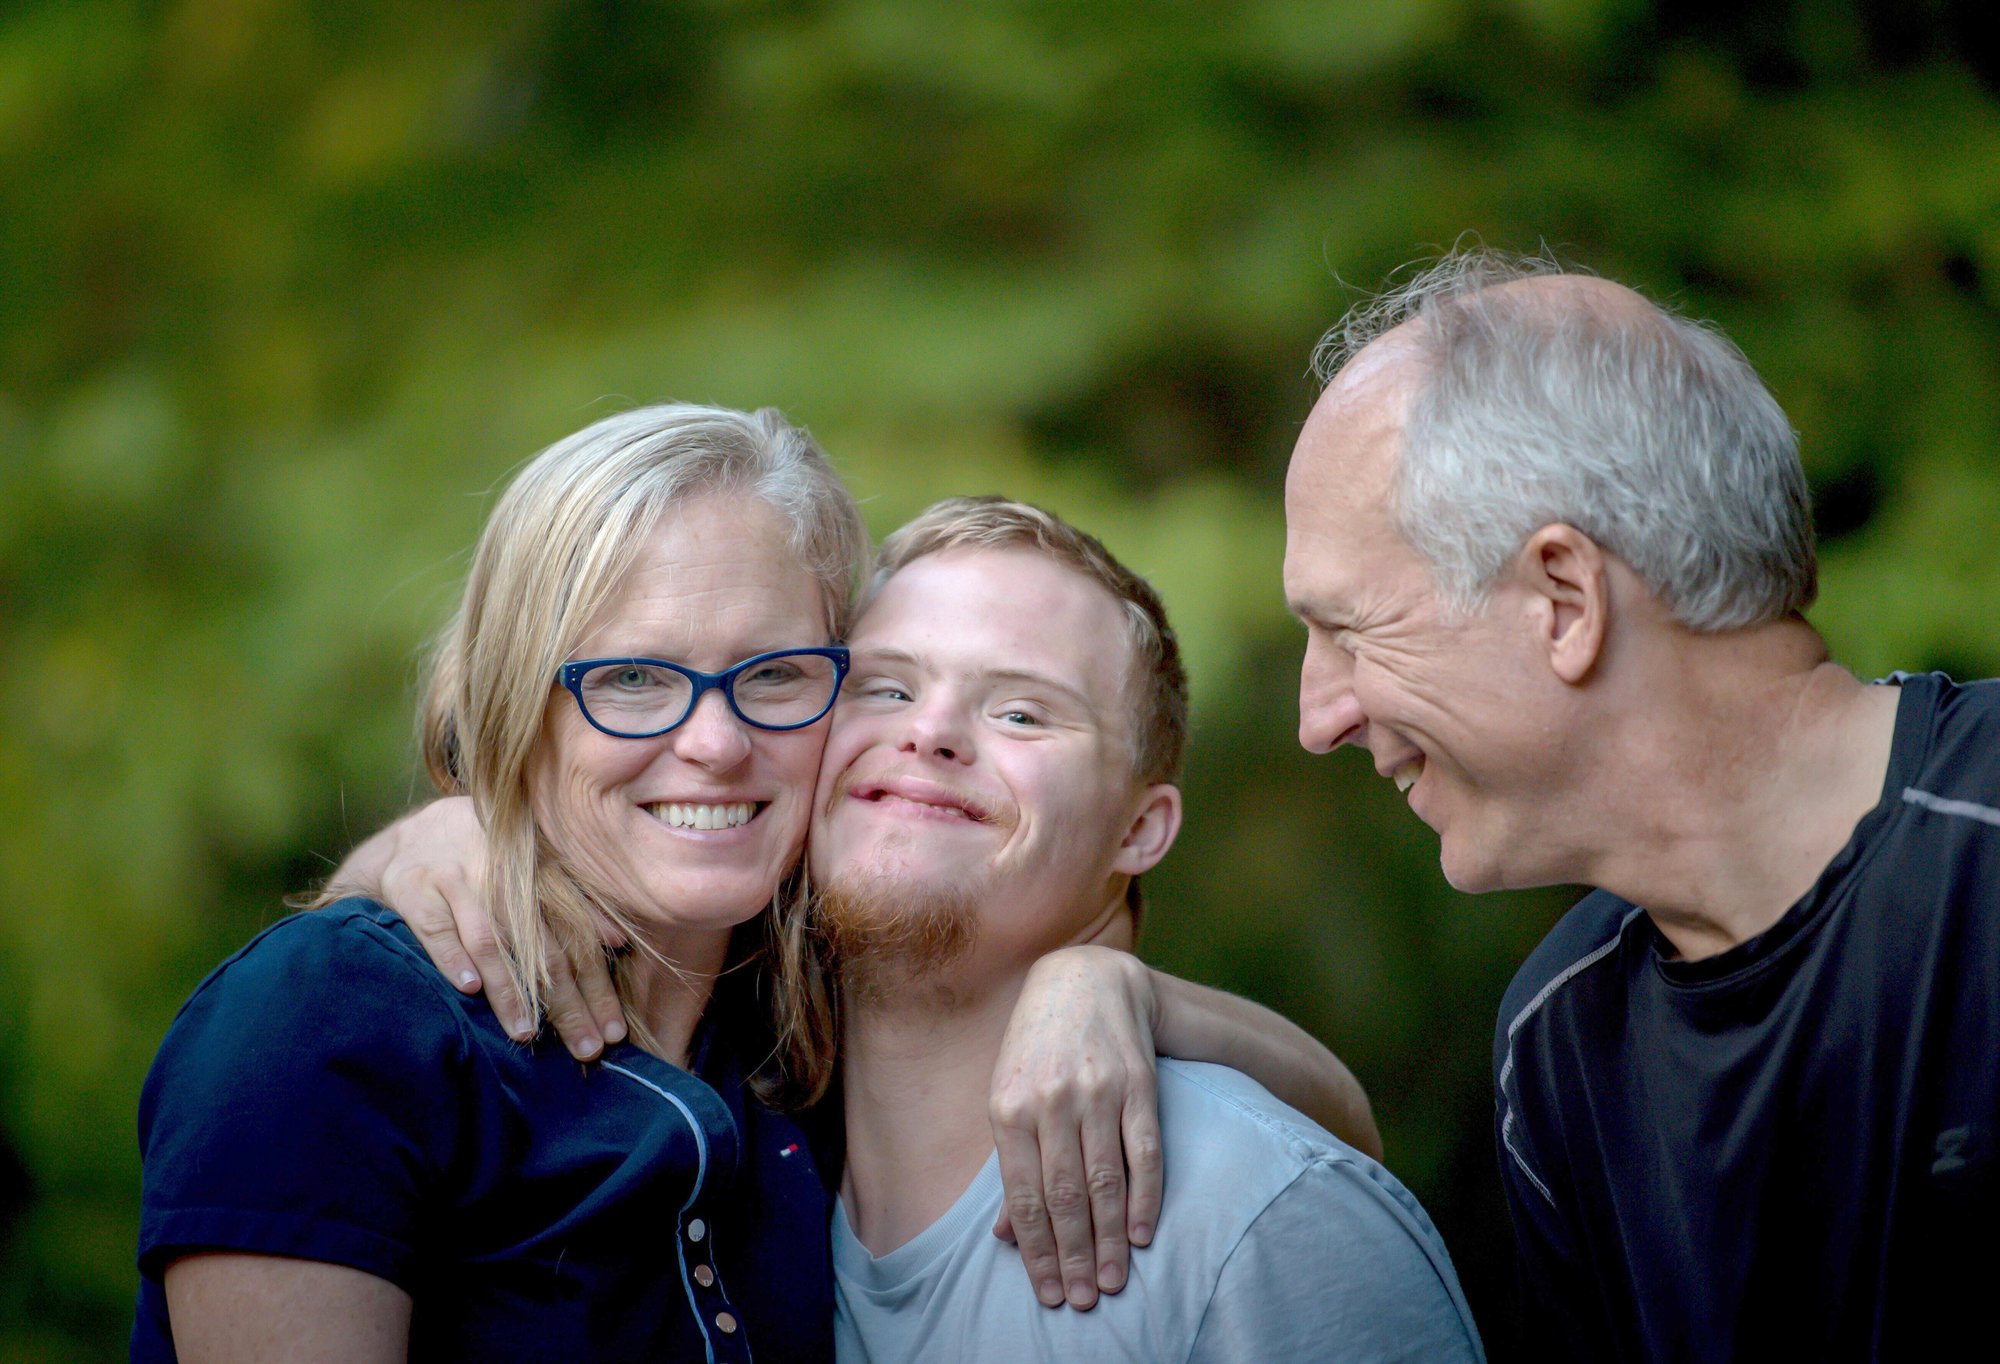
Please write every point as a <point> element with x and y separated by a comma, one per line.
<point>425,866</point>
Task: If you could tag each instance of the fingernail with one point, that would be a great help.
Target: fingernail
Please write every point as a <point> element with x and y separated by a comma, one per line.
<point>1110,1278</point>
<point>614,1031</point>
<point>468,979</point>
<point>521,1030</point>
<point>1081,1295</point>
<point>1142,1235</point>
<point>588,1047</point>
<point>1050,1292</point>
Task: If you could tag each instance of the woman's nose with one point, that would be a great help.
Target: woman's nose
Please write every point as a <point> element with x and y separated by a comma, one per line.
<point>713,736</point>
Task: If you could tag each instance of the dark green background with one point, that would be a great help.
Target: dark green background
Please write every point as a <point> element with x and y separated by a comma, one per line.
<point>286,290</point>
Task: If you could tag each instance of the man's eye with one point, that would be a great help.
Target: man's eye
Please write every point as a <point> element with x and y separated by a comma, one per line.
<point>883,691</point>
<point>1019,717</point>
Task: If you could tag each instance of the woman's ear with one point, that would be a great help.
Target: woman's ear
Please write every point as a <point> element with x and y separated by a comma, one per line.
<point>1151,832</point>
<point>1564,573</point>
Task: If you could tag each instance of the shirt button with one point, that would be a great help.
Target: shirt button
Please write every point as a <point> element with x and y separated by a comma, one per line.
<point>697,1229</point>
<point>725,1323</point>
<point>704,1276</point>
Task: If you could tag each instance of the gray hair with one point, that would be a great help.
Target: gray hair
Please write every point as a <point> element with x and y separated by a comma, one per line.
<point>1648,432</point>
<point>551,558</point>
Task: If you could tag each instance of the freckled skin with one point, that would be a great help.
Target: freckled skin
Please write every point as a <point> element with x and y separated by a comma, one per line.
<point>715,583</point>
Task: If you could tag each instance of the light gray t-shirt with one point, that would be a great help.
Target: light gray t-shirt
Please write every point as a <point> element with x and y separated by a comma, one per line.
<point>1277,1241</point>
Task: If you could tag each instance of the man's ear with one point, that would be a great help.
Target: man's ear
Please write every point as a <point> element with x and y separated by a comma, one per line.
<point>1151,832</point>
<point>1570,598</point>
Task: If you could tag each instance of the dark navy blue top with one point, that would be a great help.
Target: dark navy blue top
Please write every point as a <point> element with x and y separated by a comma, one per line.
<point>325,1094</point>
<point>1789,1150</point>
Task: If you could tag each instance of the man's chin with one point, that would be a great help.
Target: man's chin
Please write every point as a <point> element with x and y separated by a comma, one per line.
<point>886,931</point>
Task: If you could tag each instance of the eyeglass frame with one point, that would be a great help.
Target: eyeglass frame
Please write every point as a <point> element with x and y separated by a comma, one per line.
<point>570,678</point>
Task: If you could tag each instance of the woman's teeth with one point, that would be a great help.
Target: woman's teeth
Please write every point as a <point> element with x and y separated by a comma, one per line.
<point>682,816</point>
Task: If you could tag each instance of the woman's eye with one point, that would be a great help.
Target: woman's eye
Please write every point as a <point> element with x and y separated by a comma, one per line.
<point>632,679</point>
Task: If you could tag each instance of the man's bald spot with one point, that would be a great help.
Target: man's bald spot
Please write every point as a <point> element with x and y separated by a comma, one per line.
<point>1385,376</point>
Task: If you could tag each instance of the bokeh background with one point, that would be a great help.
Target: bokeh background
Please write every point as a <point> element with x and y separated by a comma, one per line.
<point>286,289</point>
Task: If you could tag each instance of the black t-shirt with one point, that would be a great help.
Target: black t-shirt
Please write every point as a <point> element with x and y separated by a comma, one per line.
<point>1785,1151</point>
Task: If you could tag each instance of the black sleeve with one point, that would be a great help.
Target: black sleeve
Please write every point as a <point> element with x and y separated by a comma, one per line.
<point>303,1104</point>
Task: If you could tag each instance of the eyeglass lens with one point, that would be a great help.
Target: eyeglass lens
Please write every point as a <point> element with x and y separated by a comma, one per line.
<point>638,698</point>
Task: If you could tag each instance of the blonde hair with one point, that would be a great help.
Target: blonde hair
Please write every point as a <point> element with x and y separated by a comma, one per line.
<point>550,559</point>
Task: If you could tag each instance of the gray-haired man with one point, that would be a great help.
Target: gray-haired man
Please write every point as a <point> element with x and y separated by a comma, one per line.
<point>1552,546</point>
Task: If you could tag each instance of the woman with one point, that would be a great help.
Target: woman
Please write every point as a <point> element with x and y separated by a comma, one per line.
<point>345,1158</point>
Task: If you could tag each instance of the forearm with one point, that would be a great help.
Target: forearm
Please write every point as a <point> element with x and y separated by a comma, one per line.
<point>249,1308</point>
<point>1197,1023</point>
<point>360,872</point>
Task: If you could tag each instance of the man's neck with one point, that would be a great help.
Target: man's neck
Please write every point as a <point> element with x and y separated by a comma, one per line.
<point>915,1071</point>
<point>1738,789</point>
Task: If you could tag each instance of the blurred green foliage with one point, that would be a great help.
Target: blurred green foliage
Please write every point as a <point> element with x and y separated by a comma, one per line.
<point>287,289</point>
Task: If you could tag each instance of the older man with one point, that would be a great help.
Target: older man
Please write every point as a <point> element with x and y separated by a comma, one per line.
<point>1552,548</point>
<point>1000,771</point>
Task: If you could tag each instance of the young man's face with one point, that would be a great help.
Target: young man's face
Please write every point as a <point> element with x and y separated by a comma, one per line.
<point>982,751</point>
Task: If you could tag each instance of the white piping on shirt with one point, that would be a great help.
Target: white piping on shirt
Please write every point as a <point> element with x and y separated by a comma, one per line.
<point>1561,978</point>
<point>1985,814</point>
<point>700,1174</point>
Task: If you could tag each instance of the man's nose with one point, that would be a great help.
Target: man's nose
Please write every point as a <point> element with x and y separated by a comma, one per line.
<point>1329,714</point>
<point>713,736</point>
<point>939,727</point>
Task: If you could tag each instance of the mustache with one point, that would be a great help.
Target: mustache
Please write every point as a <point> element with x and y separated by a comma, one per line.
<point>971,803</point>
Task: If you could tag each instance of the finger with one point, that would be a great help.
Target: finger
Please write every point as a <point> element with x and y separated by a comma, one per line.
<point>1104,1183</point>
<point>424,907</point>
<point>1145,1166</point>
<point>475,931</point>
<point>600,997</point>
<point>1021,1204</point>
<point>569,1012</point>
<point>1065,1193</point>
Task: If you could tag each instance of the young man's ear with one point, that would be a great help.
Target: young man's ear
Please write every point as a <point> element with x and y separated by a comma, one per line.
<point>1569,591</point>
<point>1152,830</point>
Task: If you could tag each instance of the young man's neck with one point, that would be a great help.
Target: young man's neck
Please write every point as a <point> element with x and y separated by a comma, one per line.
<point>1741,784</point>
<point>916,1068</point>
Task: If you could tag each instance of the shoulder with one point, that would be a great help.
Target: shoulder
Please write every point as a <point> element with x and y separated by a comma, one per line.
<point>1224,1131</point>
<point>1299,1238</point>
<point>1957,726</point>
<point>344,981</point>
<point>1585,937</point>
<point>353,948</point>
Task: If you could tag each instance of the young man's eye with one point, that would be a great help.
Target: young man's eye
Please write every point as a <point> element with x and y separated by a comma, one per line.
<point>1019,717</point>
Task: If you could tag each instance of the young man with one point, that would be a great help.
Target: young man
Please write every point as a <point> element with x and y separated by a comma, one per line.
<point>1552,548</point>
<point>1000,774</point>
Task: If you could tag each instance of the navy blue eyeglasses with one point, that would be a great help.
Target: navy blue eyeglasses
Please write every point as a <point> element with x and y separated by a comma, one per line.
<point>638,698</point>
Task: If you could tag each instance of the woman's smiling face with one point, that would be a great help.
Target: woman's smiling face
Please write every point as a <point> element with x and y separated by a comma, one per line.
<point>658,825</point>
